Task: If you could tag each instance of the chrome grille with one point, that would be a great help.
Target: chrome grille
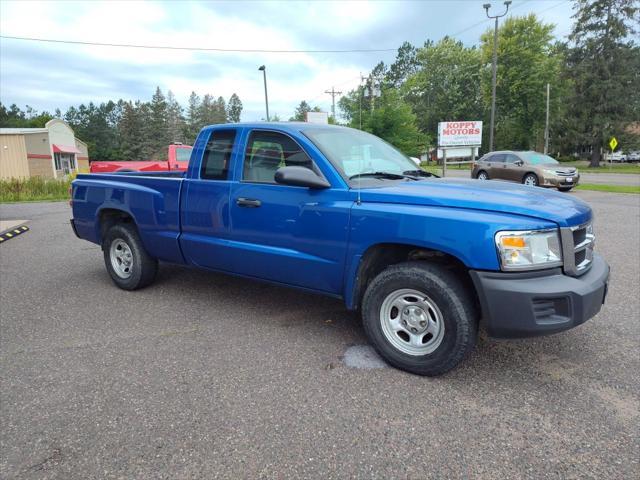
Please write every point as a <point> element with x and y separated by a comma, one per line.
<point>577,248</point>
<point>565,174</point>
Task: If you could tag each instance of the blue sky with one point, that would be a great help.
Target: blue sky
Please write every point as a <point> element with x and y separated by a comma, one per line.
<point>47,76</point>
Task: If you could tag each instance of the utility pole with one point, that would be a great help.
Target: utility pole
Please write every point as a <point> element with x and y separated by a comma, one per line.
<point>333,92</point>
<point>266,98</point>
<point>486,7</point>
<point>546,125</point>
<point>361,88</point>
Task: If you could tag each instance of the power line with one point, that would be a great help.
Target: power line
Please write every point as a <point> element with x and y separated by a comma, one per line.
<point>198,49</point>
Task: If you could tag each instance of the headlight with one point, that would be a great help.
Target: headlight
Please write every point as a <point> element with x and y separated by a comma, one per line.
<point>549,172</point>
<point>529,250</point>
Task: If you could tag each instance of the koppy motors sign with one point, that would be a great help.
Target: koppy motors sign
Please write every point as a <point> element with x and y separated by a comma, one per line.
<point>459,134</point>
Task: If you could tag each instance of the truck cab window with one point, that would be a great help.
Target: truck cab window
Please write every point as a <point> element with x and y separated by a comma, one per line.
<point>268,151</point>
<point>217,155</point>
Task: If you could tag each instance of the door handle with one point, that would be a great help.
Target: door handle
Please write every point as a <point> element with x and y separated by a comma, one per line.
<point>248,202</point>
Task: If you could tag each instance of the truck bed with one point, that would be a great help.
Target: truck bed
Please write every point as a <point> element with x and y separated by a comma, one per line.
<point>152,199</point>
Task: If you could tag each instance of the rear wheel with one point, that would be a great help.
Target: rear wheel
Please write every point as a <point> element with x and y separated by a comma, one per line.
<point>531,179</point>
<point>482,175</point>
<point>128,263</point>
<point>420,318</point>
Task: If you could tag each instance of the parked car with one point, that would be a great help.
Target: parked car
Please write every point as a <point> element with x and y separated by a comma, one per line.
<point>177,158</point>
<point>530,168</point>
<point>340,212</point>
<point>633,156</point>
<point>615,157</point>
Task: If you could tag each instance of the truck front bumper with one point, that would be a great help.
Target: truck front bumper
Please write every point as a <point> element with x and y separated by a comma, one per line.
<point>516,305</point>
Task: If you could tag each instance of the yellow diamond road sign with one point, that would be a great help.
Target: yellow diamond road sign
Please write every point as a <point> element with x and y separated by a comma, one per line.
<point>613,143</point>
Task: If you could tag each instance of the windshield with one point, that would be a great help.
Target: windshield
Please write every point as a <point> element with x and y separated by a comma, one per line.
<point>355,152</point>
<point>183,154</point>
<point>535,158</point>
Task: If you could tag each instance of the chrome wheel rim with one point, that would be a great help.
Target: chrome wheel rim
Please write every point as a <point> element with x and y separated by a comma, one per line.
<point>482,176</point>
<point>530,181</point>
<point>121,258</point>
<point>411,322</point>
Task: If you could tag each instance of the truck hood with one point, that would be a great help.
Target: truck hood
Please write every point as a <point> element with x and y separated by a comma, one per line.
<point>494,196</point>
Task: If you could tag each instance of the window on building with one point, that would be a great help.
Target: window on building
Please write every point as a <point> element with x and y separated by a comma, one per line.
<point>56,159</point>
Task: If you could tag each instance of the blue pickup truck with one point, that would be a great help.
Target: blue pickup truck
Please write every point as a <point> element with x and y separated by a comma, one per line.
<point>428,261</point>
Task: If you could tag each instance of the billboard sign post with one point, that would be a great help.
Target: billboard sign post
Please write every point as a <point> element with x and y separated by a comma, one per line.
<point>459,134</point>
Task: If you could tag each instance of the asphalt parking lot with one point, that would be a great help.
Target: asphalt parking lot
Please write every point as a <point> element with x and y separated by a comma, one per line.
<point>207,376</point>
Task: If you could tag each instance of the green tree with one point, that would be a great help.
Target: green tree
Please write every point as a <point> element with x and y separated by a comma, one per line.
<point>446,85</point>
<point>156,130</point>
<point>528,59</point>
<point>193,124</point>
<point>603,65</point>
<point>175,119</point>
<point>300,114</point>
<point>234,109</point>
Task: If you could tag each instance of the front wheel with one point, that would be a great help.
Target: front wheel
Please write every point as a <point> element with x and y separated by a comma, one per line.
<point>420,318</point>
<point>128,263</point>
<point>531,179</point>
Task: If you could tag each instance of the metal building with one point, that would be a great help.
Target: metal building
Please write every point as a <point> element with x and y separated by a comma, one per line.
<point>49,152</point>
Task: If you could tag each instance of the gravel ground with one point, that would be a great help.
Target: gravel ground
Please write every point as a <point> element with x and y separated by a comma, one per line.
<point>207,376</point>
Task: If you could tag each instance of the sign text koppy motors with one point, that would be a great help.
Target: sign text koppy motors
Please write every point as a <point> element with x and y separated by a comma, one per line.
<point>459,134</point>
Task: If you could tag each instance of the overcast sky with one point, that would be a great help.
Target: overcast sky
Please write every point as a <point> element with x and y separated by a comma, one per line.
<point>47,75</point>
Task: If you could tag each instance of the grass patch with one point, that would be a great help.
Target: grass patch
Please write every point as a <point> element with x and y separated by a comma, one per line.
<point>34,189</point>
<point>609,188</point>
<point>604,167</point>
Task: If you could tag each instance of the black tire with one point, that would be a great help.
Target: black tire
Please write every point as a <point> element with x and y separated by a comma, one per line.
<point>447,292</point>
<point>533,177</point>
<point>564,189</point>
<point>485,173</point>
<point>143,268</point>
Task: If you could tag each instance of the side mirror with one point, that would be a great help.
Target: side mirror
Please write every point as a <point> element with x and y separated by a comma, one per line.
<point>300,177</point>
<point>519,163</point>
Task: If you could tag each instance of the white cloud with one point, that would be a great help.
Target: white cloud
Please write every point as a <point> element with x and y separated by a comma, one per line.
<point>71,74</point>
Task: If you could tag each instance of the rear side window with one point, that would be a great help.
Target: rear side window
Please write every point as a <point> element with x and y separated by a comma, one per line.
<point>217,155</point>
<point>267,152</point>
<point>498,157</point>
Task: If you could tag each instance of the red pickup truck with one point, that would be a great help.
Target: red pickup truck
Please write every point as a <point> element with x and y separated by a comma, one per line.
<point>177,159</point>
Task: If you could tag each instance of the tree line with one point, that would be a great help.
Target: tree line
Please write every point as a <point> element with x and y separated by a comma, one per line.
<point>119,130</point>
<point>593,76</point>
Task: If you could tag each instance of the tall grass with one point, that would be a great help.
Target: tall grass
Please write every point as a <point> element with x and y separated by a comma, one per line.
<point>34,189</point>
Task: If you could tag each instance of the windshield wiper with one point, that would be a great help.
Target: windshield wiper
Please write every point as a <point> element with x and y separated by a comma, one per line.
<point>389,175</point>
<point>420,173</point>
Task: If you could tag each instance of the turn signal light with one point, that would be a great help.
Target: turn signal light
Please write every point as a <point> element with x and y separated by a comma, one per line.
<point>514,242</point>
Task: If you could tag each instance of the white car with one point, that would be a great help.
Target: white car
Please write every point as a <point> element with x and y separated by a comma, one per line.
<point>633,156</point>
<point>615,157</point>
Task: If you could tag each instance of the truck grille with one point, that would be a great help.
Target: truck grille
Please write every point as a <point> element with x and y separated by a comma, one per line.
<point>577,248</point>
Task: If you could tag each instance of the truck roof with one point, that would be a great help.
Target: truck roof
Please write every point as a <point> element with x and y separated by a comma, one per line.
<point>285,126</point>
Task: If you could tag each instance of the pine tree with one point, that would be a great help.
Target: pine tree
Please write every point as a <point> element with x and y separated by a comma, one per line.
<point>234,109</point>
<point>600,66</point>
<point>193,124</point>
<point>157,133</point>
<point>175,119</point>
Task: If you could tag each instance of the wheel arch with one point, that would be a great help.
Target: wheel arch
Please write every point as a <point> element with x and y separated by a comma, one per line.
<point>108,217</point>
<point>382,255</point>
<point>530,172</point>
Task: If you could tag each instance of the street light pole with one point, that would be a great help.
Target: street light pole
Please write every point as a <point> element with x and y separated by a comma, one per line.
<point>266,97</point>
<point>486,7</point>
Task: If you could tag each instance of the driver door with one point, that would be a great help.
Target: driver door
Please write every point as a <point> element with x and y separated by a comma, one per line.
<point>287,234</point>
